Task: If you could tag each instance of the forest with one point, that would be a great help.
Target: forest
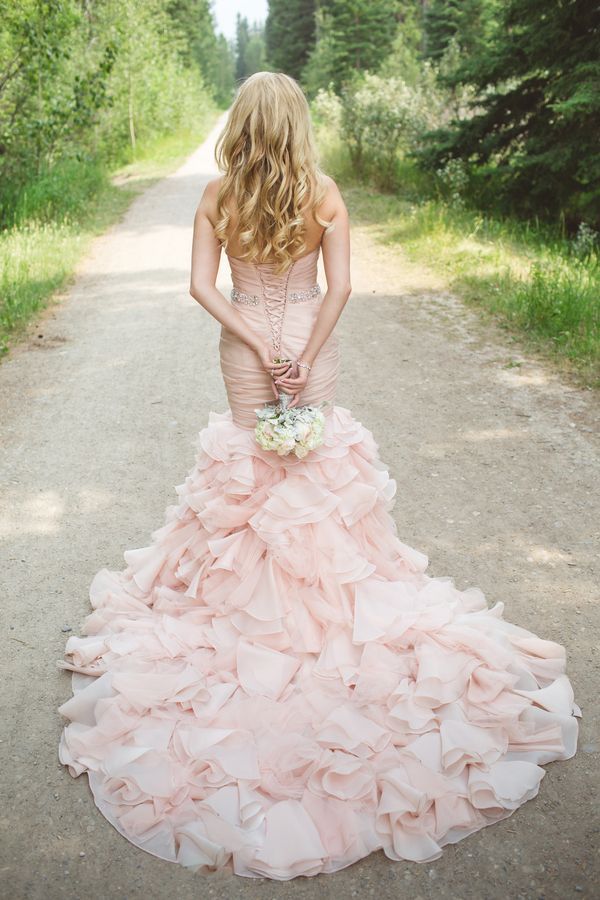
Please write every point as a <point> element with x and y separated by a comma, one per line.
<point>468,129</point>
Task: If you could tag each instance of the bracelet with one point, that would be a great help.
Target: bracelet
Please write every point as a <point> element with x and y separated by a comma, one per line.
<point>303,365</point>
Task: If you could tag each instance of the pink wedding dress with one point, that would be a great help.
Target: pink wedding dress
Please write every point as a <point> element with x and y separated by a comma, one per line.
<point>274,685</point>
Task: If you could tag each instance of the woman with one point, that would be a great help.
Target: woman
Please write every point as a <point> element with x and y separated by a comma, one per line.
<point>275,685</point>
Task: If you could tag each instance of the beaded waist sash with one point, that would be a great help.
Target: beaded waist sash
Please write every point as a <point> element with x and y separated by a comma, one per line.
<point>301,296</point>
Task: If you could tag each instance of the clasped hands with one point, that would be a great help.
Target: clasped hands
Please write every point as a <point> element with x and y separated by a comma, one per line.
<point>286,377</point>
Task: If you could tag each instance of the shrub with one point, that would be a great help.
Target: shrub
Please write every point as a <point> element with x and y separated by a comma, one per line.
<point>384,117</point>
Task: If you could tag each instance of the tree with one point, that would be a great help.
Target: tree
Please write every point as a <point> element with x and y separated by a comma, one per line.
<point>198,45</point>
<point>224,71</point>
<point>534,124</point>
<point>242,36</point>
<point>81,81</point>
<point>250,48</point>
<point>290,35</point>
<point>470,22</point>
<point>352,36</point>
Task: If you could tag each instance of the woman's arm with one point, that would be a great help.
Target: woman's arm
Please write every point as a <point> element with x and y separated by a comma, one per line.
<point>336,258</point>
<point>206,254</point>
<point>335,244</point>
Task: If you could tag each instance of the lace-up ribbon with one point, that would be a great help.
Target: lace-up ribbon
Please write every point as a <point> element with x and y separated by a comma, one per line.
<point>275,295</point>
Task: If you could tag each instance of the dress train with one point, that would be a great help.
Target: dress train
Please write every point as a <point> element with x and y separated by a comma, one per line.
<point>275,685</point>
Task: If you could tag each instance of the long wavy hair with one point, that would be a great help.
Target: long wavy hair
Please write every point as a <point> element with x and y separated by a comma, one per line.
<point>268,155</point>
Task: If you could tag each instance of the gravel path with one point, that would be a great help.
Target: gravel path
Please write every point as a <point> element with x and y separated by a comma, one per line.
<point>497,465</point>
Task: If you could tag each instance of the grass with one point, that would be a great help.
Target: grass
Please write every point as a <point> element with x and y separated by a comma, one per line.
<point>529,277</point>
<point>54,219</point>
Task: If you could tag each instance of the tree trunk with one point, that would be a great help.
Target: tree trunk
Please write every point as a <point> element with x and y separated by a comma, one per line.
<point>130,110</point>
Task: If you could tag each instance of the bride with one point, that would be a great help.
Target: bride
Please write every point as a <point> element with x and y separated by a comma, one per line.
<point>275,685</point>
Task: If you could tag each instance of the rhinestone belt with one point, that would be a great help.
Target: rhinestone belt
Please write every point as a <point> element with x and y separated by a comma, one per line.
<point>301,296</point>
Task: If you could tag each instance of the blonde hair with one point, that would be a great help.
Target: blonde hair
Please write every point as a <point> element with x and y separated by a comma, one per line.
<point>268,155</point>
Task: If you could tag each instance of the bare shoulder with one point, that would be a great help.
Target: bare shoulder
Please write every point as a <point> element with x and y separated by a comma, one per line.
<point>333,202</point>
<point>213,184</point>
<point>208,199</point>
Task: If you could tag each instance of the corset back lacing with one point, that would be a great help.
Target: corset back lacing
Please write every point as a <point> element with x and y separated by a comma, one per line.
<point>274,298</point>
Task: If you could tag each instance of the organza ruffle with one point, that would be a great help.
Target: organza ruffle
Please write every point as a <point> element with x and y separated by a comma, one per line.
<point>275,685</point>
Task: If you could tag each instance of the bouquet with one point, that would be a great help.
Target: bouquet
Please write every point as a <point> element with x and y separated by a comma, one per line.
<point>296,430</point>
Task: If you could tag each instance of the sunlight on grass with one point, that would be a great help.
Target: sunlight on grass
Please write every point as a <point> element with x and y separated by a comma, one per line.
<point>35,260</point>
<point>528,277</point>
<point>158,157</point>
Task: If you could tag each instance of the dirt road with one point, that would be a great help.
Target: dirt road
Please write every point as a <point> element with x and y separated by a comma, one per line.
<point>497,465</point>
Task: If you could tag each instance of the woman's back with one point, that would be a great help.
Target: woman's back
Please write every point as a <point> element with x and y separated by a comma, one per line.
<point>281,310</point>
<point>313,232</point>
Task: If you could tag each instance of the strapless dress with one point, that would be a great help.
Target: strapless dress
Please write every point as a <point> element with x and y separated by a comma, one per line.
<point>282,309</point>
<point>274,684</point>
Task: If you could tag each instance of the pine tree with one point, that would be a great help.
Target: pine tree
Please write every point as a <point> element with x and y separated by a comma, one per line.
<point>352,35</point>
<point>468,21</point>
<point>290,35</point>
<point>536,118</point>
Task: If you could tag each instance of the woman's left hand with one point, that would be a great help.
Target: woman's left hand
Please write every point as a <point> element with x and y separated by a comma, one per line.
<point>293,383</point>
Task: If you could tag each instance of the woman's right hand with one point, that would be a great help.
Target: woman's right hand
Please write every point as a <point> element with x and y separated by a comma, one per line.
<point>274,370</point>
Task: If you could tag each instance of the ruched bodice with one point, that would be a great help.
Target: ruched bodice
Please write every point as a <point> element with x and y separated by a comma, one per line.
<point>282,310</point>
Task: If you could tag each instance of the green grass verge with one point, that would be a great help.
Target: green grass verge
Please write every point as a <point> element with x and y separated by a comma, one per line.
<point>56,217</point>
<point>535,283</point>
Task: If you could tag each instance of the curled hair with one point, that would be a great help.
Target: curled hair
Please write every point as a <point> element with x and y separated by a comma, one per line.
<point>268,156</point>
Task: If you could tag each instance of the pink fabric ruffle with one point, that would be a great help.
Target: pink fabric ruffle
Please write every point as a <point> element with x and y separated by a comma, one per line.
<point>275,685</point>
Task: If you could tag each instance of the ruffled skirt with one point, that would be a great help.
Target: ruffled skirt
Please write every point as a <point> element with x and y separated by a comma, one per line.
<point>275,685</point>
